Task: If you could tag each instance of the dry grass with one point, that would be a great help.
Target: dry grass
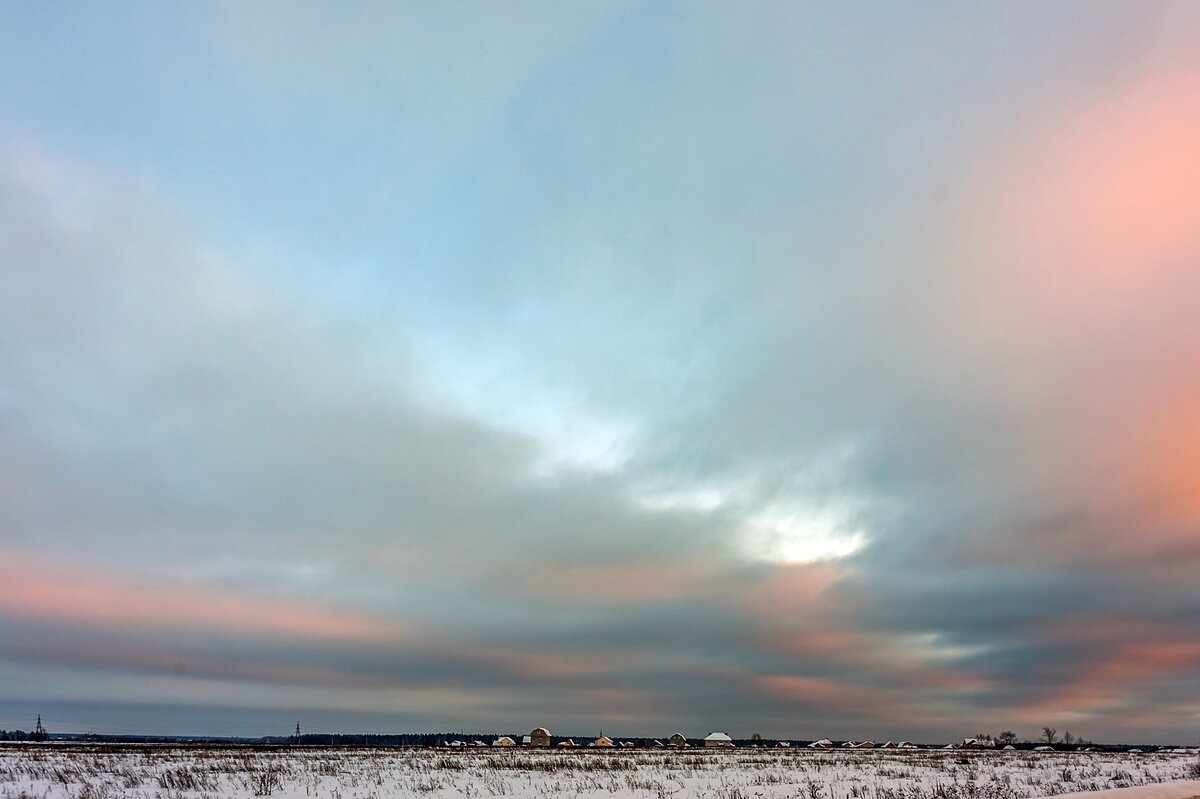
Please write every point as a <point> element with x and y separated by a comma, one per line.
<point>56,771</point>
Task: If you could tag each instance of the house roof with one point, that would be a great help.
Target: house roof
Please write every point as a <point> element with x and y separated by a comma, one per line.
<point>717,736</point>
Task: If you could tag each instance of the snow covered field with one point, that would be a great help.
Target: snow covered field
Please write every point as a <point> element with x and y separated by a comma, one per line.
<point>172,772</point>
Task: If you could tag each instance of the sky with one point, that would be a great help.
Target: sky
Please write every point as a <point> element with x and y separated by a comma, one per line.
<point>807,369</point>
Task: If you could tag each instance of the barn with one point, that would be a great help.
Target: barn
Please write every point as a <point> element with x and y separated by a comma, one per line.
<point>678,740</point>
<point>540,736</point>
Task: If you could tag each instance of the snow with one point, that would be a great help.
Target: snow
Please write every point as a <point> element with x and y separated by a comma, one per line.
<point>74,771</point>
<point>1183,789</point>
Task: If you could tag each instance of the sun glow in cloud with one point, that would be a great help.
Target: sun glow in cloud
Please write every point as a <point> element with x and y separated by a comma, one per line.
<point>803,535</point>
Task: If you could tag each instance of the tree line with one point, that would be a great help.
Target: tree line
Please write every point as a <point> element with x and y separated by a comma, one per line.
<point>1049,737</point>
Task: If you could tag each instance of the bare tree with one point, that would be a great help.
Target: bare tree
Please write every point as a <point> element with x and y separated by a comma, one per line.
<point>1049,735</point>
<point>1007,737</point>
<point>1068,738</point>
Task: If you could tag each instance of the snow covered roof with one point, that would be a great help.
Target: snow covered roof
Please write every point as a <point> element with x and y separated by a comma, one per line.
<point>717,736</point>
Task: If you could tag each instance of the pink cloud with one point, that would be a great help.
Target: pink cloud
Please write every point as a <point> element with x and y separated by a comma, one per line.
<point>540,663</point>
<point>1128,655</point>
<point>1164,460</point>
<point>801,588</point>
<point>153,658</point>
<point>1077,278</point>
<point>847,699</point>
<point>39,588</point>
<point>1094,208</point>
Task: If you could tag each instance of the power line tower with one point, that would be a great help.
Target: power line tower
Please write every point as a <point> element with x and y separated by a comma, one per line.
<point>39,732</point>
<point>297,732</point>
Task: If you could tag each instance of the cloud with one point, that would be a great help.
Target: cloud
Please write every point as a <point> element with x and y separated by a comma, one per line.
<point>665,365</point>
<point>41,589</point>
